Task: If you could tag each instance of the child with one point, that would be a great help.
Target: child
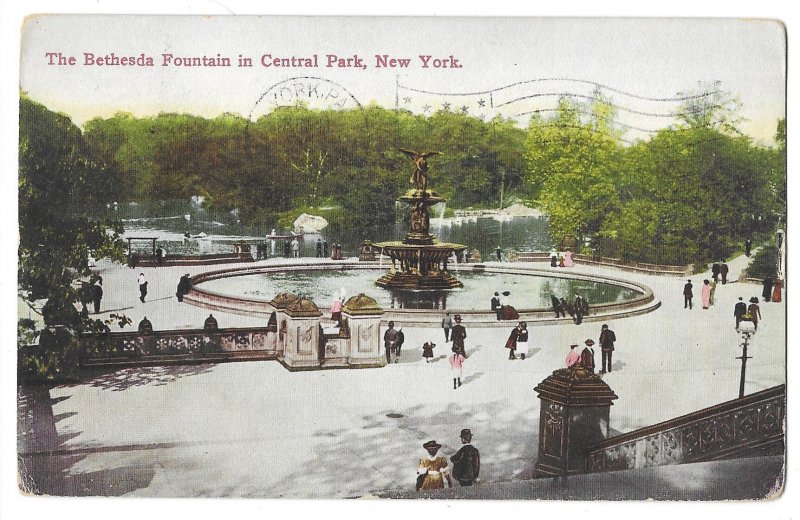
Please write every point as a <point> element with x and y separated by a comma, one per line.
<point>427,351</point>
<point>456,364</point>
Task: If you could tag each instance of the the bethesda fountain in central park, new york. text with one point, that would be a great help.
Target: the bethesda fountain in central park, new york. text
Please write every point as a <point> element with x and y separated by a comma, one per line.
<point>419,262</point>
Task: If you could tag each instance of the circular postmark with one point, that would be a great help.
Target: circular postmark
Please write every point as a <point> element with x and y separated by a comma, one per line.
<point>313,91</point>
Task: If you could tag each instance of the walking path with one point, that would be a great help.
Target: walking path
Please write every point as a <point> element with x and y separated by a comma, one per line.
<point>254,429</point>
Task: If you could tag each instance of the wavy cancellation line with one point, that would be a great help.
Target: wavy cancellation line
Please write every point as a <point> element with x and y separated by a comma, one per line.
<point>583,81</point>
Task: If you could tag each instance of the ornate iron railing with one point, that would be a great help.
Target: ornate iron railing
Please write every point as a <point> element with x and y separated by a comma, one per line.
<point>750,425</point>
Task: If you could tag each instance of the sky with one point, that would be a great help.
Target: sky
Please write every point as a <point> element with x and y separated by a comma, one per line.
<point>639,64</point>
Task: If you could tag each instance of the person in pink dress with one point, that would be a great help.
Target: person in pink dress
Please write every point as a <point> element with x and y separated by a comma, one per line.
<point>574,356</point>
<point>456,366</point>
<point>336,310</point>
<point>705,294</point>
<point>568,259</point>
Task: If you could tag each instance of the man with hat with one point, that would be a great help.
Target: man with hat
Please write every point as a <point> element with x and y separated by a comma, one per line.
<point>607,339</point>
<point>587,356</point>
<point>433,470</point>
<point>466,461</point>
<point>739,311</point>
<point>457,335</point>
<point>390,343</point>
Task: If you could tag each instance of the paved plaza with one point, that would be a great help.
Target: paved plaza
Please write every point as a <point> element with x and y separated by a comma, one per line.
<point>254,429</point>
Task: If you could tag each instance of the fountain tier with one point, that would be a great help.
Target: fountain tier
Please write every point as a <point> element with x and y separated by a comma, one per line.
<point>419,262</point>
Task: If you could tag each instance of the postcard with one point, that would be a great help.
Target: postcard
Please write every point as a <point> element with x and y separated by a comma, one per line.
<point>402,258</point>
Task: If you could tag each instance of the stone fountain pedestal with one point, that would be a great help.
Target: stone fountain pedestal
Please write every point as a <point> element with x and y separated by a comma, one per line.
<point>419,262</point>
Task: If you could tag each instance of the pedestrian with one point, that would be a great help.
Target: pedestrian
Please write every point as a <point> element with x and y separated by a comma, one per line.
<point>210,323</point>
<point>739,310</point>
<point>160,254</point>
<point>587,356</point>
<point>517,334</point>
<point>705,294</point>
<point>458,334</point>
<point>427,351</point>
<point>456,366</point>
<point>184,286</point>
<point>97,295</point>
<point>687,295</point>
<point>553,258</point>
<point>142,287</point>
<point>295,248</point>
<point>748,246</point>
<point>287,248</point>
<point>557,307</point>
<point>573,357</point>
<point>584,307</point>
<point>401,338</point>
<point>86,296</point>
<point>767,293</point>
<point>466,461</point>
<point>433,471</point>
<point>607,339</point>
<point>145,327</point>
<point>715,271</point>
<point>390,343</point>
<point>713,291</point>
<point>495,302</point>
<point>723,272</point>
<point>776,291</point>
<point>336,310</point>
<point>568,307</point>
<point>561,260</point>
<point>499,253</point>
<point>568,262</point>
<point>447,324</point>
<point>754,311</point>
<point>319,248</point>
<point>324,249</point>
<point>578,307</point>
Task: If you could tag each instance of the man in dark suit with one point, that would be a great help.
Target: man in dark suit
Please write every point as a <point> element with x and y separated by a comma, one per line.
<point>466,461</point>
<point>738,311</point>
<point>457,335</point>
<point>687,295</point>
<point>496,306</point>
<point>607,339</point>
<point>723,272</point>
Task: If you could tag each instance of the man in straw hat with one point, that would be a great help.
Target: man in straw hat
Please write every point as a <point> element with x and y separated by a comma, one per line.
<point>433,469</point>
<point>587,356</point>
<point>466,461</point>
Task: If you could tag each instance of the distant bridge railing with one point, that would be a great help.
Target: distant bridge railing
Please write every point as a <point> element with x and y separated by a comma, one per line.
<point>669,270</point>
<point>748,426</point>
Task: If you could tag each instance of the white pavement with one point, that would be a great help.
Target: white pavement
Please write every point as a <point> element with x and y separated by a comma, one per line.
<point>255,429</point>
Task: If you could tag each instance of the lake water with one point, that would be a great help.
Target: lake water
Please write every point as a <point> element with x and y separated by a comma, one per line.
<point>169,220</point>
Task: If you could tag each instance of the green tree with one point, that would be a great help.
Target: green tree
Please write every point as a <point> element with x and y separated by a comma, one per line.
<point>63,193</point>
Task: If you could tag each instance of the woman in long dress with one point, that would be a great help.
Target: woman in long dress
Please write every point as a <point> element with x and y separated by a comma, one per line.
<point>433,469</point>
<point>705,294</point>
<point>568,259</point>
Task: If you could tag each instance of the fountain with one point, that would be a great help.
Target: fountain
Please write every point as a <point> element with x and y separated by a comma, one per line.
<point>419,262</point>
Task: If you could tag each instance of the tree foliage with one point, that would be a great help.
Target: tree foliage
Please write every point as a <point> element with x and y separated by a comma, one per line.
<point>63,191</point>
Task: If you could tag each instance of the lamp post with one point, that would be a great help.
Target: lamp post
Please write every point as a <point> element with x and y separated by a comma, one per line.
<point>745,341</point>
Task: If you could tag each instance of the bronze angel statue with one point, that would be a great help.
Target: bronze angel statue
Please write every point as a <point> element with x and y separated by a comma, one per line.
<point>419,178</point>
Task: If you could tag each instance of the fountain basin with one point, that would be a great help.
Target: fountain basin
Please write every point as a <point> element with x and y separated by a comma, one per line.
<point>529,287</point>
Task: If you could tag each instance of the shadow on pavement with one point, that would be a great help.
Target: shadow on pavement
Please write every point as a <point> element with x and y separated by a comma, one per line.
<point>123,379</point>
